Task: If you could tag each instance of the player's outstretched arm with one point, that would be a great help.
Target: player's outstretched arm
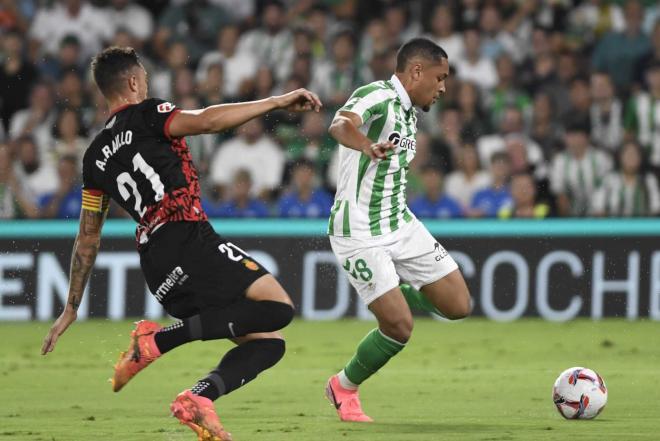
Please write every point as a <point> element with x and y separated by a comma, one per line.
<point>345,130</point>
<point>85,249</point>
<point>221,117</point>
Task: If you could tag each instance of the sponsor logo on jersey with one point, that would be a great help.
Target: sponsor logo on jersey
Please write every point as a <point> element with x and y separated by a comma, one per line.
<point>165,107</point>
<point>399,141</point>
<point>176,277</point>
<point>121,139</point>
<point>441,252</point>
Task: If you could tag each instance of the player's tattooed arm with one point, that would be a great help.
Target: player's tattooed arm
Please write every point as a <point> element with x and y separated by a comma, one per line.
<point>85,249</point>
<point>222,117</point>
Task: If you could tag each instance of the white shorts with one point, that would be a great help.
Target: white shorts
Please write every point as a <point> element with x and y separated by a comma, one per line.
<point>375,265</point>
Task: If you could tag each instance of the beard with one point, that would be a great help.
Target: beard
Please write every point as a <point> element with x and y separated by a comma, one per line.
<point>426,108</point>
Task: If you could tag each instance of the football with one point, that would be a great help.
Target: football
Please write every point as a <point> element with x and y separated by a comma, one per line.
<point>579,393</point>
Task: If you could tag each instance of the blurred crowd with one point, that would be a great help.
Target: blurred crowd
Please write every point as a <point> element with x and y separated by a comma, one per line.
<point>552,106</point>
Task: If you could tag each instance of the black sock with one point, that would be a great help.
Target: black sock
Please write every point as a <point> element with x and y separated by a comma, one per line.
<point>240,366</point>
<point>236,320</point>
<point>177,333</point>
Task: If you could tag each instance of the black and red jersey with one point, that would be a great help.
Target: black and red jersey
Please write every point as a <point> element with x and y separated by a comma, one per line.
<point>136,162</point>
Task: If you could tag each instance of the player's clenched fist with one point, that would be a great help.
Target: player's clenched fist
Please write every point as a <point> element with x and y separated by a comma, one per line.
<point>300,100</point>
<point>378,150</point>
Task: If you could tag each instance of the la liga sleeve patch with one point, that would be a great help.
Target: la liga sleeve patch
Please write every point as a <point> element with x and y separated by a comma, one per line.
<point>165,107</point>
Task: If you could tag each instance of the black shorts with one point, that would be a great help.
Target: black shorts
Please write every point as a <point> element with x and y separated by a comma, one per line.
<point>189,267</point>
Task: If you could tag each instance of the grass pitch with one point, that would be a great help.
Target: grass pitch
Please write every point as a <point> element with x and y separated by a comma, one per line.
<point>475,380</point>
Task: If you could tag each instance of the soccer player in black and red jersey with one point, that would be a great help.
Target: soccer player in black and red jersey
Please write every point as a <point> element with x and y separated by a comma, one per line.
<point>216,290</point>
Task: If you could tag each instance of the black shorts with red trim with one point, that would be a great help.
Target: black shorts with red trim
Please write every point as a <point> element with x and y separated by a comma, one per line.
<point>189,267</point>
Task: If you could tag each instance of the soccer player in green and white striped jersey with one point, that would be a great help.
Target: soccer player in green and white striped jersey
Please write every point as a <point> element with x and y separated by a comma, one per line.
<point>377,240</point>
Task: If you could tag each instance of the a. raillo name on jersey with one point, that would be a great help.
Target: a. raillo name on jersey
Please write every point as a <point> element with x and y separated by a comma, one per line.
<point>405,143</point>
<point>120,140</point>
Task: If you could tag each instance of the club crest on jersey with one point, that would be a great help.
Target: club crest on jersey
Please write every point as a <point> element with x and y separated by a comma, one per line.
<point>250,264</point>
<point>399,141</point>
<point>165,107</point>
<point>120,140</point>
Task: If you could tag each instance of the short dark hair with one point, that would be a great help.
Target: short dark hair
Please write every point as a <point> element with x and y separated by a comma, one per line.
<point>110,65</point>
<point>303,163</point>
<point>577,124</point>
<point>432,166</point>
<point>499,156</point>
<point>418,47</point>
<point>345,33</point>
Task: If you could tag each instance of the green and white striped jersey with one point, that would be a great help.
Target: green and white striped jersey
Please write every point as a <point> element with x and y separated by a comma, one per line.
<point>371,195</point>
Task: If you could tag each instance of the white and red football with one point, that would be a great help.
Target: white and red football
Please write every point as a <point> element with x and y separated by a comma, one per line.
<point>579,393</point>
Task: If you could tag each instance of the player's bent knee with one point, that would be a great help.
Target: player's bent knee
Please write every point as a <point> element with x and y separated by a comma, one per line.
<point>276,347</point>
<point>268,288</point>
<point>460,309</point>
<point>281,314</point>
<point>399,329</point>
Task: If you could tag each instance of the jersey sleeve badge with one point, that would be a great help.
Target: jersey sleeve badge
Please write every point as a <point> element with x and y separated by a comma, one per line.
<point>165,107</point>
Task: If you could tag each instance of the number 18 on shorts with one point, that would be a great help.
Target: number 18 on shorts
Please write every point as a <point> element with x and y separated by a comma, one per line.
<point>378,264</point>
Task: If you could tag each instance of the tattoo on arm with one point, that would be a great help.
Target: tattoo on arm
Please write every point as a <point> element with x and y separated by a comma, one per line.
<point>85,250</point>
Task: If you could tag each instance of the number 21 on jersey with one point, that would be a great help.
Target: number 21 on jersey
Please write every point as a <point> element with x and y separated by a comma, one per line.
<point>126,181</point>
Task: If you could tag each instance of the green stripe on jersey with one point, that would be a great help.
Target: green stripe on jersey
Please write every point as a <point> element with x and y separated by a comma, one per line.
<point>380,108</point>
<point>333,212</point>
<point>373,133</point>
<point>363,91</point>
<point>362,170</point>
<point>394,211</point>
<point>347,222</point>
<point>357,97</point>
<point>406,216</point>
<point>381,172</point>
<point>377,194</point>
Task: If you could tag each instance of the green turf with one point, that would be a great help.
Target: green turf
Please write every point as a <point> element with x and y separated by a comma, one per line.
<point>474,380</point>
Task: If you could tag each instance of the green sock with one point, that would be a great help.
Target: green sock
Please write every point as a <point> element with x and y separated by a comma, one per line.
<point>417,300</point>
<point>373,352</point>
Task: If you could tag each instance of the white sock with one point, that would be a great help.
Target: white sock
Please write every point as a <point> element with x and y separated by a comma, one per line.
<point>345,382</point>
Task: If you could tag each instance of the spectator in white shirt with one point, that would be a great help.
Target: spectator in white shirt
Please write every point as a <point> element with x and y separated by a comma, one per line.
<point>606,113</point>
<point>254,151</point>
<point>240,10</point>
<point>14,200</point>
<point>132,17</point>
<point>212,88</point>
<point>69,139</point>
<point>463,183</point>
<point>444,35</point>
<point>37,120</point>
<point>474,66</point>
<point>398,22</point>
<point>512,128</point>
<point>239,67</point>
<point>71,17</point>
<point>578,172</point>
<point>270,41</point>
<point>495,39</point>
<point>376,39</point>
<point>36,176</point>
<point>162,79</point>
<point>335,79</point>
<point>628,191</point>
